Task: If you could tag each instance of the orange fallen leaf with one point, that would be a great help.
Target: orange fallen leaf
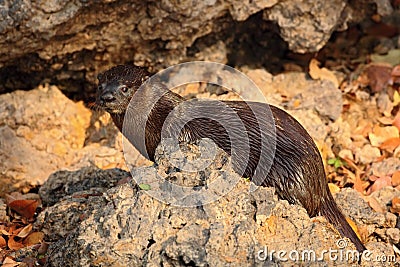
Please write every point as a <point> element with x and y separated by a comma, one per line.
<point>34,238</point>
<point>360,185</point>
<point>318,73</point>
<point>390,144</point>
<point>25,231</point>
<point>3,242</point>
<point>395,75</point>
<point>352,164</point>
<point>24,207</point>
<point>381,134</point>
<point>374,204</point>
<point>396,121</point>
<point>8,262</point>
<point>333,188</point>
<point>364,128</point>
<point>381,158</point>
<point>296,103</point>
<point>349,175</point>
<point>380,183</point>
<point>353,226</point>
<point>395,205</point>
<point>364,233</point>
<point>15,243</point>
<point>271,224</point>
<point>4,232</point>
<point>396,71</point>
<point>14,229</point>
<point>396,178</point>
<point>385,121</point>
<point>373,178</point>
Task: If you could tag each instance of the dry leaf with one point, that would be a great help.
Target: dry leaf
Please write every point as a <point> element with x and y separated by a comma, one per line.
<point>333,188</point>
<point>318,73</point>
<point>8,262</point>
<point>34,238</point>
<point>364,128</point>
<point>15,244</point>
<point>360,185</point>
<point>14,229</point>
<point>296,103</point>
<point>396,178</point>
<point>3,242</point>
<point>381,134</point>
<point>374,204</point>
<point>349,175</point>
<point>364,233</point>
<point>4,232</point>
<point>25,231</point>
<point>396,71</point>
<point>373,178</point>
<point>24,207</point>
<point>378,75</point>
<point>385,120</point>
<point>395,205</point>
<point>353,226</point>
<point>395,75</point>
<point>396,98</point>
<point>392,58</point>
<point>380,183</point>
<point>14,196</point>
<point>43,248</point>
<point>390,144</point>
<point>352,165</point>
<point>271,224</point>
<point>396,121</point>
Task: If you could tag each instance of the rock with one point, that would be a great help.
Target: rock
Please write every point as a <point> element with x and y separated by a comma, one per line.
<point>367,154</point>
<point>304,93</point>
<point>312,123</point>
<point>384,167</point>
<point>41,130</point>
<point>372,223</point>
<point>57,221</point>
<point>127,226</point>
<point>346,154</point>
<point>385,195</point>
<point>340,132</point>
<point>69,42</point>
<point>293,19</point>
<point>347,199</point>
<point>394,235</point>
<point>65,183</point>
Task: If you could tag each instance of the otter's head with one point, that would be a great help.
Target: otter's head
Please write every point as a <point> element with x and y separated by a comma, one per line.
<point>117,86</point>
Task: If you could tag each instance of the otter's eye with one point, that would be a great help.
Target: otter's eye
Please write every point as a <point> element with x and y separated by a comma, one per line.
<point>124,89</point>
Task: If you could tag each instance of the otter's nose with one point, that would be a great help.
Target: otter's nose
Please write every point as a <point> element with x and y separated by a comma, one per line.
<point>107,97</point>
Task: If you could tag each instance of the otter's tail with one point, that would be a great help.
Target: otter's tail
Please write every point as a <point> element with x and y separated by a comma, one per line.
<point>331,211</point>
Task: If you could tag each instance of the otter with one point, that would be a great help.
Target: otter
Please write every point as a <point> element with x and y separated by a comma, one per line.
<point>296,169</point>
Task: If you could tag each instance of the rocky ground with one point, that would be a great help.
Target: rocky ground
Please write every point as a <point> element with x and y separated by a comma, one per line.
<point>67,197</point>
<point>96,214</point>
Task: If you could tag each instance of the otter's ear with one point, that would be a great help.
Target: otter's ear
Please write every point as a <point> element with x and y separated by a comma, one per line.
<point>99,76</point>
